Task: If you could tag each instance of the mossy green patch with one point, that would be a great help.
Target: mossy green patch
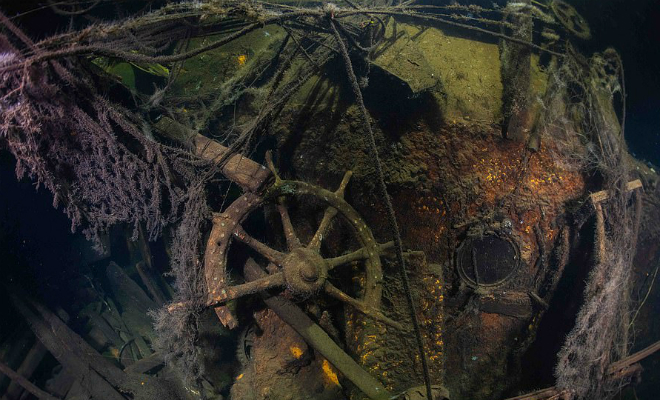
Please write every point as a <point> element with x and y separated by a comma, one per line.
<point>399,55</point>
<point>207,73</point>
<point>469,71</point>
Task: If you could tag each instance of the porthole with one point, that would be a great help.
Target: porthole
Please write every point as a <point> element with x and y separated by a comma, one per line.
<point>487,260</point>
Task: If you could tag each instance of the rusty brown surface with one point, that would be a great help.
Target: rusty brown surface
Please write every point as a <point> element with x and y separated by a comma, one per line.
<point>320,341</point>
<point>215,268</point>
<point>450,181</point>
<point>387,352</point>
<point>281,365</point>
<point>246,173</point>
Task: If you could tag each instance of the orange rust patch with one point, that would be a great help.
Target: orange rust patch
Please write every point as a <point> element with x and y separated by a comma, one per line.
<point>329,374</point>
<point>296,351</point>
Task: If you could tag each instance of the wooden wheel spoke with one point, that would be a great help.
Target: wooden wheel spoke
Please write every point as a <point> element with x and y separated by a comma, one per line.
<point>344,182</point>
<point>292,240</point>
<point>328,215</point>
<point>333,291</point>
<point>234,292</point>
<point>317,239</point>
<point>271,254</point>
<point>360,254</point>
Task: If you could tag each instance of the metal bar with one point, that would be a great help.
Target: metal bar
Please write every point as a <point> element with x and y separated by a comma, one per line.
<point>319,340</point>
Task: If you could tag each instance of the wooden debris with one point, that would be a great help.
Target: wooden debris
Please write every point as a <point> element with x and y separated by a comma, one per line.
<point>12,352</point>
<point>623,368</point>
<point>633,358</point>
<point>77,392</point>
<point>149,282</point>
<point>604,194</point>
<point>140,256</point>
<point>100,323</point>
<point>25,383</point>
<point>246,173</point>
<point>135,305</point>
<point>61,382</point>
<point>27,367</point>
<point>543,394</point>
<point>128,293</point>
<point>146,364</point>
<point>97,376</point>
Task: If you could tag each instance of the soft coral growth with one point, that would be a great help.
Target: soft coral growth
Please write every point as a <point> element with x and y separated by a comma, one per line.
<point>87,151</point>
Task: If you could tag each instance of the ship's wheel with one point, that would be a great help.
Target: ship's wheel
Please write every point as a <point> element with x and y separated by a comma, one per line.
<point>301,269</point>
<point>570,19</point>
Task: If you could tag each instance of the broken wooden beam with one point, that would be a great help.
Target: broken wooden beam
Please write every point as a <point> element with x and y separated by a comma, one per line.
<point>98,377</point>
<point>633,358</point>
<point>147,279</point>
<point>620,369</point>
<point>60,383</point>
<point>239,169</point>
<point>603,195</point>
<point>146,364</point>
<point>13,350</point>
<point>25,383</point>
<point>543,394</point>
<point>135,305</point>
<point>30,363</point>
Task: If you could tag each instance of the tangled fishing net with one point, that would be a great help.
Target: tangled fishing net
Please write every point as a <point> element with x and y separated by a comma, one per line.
<point>100,161</point>
<point>600,334</point>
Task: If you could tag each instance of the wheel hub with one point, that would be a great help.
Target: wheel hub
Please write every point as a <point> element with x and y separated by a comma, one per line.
<point>305,271</point>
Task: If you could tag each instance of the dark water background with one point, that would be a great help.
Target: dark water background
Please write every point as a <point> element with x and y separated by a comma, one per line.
<point>632,27</point>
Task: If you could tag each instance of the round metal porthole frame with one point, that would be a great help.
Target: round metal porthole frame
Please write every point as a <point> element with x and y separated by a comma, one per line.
<point>469,281</point>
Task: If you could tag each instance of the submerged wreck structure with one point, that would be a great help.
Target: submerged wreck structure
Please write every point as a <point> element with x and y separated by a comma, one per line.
<point>307,200</point>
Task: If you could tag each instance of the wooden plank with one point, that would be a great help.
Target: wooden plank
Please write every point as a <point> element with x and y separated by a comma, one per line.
<point>25,383</point>
<point>146,364</point>
<point>604,194</point>
<point>317,338</point>
<point>634,358</point>
<point>145,276</point>
<point>543,394</point>
<point>248,174</point>
<point>77,392</point>
<point>96,374</point>
<point>14,350</point>
<point>622,368</point>
<point>27,367</point>
<point>60,383</point>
